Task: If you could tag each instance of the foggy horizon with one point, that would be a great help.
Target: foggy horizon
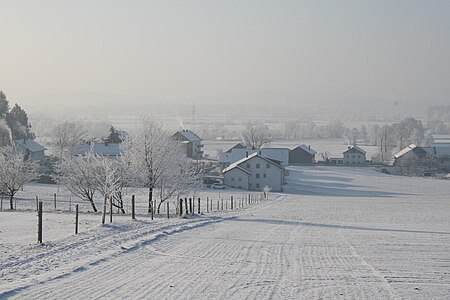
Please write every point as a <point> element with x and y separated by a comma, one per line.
<point>266,52</point>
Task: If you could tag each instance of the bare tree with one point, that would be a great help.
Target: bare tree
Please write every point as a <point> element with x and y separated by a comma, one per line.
<point>256,136</point>
<point>325,156</point>
<point>150,153</point>
<point>77,174</point>
<point>15,171</point>
<point>67,135</point>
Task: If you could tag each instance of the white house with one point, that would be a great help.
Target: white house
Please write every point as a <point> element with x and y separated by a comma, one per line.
<point>354,156</point>
<point>35,151</point>
<point>254,172</point>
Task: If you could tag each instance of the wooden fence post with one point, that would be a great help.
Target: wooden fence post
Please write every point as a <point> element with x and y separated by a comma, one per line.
<point>151,208</point>
<point>40,223</point>
<point>199,205</point>
<point>70,203</point>
<point>168,212</point>
<point>217,205</point>
<point>76,219</point>
<point>207,204</point>
<point>54,200</point>
<point>181,207</point>
<point>37,203</point>
<point>104,211</point>
<point>1,202</point>
<point>231,202</point>
<point>110,209</point>
<point>133,208</point>
<point>191,210</point>
<point>186,206</point>
<point>222,204</point>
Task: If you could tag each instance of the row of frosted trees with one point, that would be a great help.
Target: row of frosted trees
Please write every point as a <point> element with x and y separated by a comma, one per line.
<point>150,159</point>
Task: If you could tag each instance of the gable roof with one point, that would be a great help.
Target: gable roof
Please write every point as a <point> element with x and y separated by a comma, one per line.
<point>189,135</point>
<point>355,148</point>
<point>306,149</point>
<point>250,156</point>
<point>237,146</point>
<point>31,145</point>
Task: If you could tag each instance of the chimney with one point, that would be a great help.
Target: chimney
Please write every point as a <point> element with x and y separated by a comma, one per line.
<point>246,154</point>
<point>309,147</point>
<point>348,147</point>
<point>259,153</point>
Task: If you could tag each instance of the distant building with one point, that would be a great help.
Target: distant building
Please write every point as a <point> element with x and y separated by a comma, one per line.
<point>424,159</point>
<point>103,149</point>
<point>302,155</point>
<point>254,172</point>
<point>33,150</point>
<point>191,143</point>
<point>354,156</point>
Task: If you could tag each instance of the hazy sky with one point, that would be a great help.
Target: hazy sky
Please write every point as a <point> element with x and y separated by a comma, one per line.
<point>216,51</point>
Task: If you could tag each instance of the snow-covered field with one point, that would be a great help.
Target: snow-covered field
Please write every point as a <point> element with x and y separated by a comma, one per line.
<point>348,233</point>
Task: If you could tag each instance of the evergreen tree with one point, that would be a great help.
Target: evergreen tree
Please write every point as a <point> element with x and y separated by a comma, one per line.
<point>113,137</point>
<point>4,105</point>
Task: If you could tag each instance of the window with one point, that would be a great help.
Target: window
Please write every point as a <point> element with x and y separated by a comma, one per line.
<point>264,175</point>
<point>232,178</point>
<point>268,166</point>
<point>239,178</point>
<point>248,165</point>
<point>257,175</point>
<point>353,155</point>
<point>257,185</point>
<point>258,166</point>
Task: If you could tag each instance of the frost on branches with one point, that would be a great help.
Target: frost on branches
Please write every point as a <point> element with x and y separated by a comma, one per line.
<point>77,174</point>
<point>15,171</point>
<point>156,160</point>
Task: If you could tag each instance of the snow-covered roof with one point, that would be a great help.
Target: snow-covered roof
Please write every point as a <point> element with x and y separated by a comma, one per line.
<point>105,149</point>
<point>250,156</point>
<point>307,149</point>
<point>189,135</point>
<point>237,146</point>
<point>355,148</point>
<point>405,150</point>
<point>31,145</point>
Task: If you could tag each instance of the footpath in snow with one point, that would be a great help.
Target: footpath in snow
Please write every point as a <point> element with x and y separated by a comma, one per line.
<point>337,233</point>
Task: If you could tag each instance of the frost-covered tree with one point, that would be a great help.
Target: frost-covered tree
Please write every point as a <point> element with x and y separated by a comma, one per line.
<point>108,174</point>
<point>66,135</point>
<point>78,175</point>
<point>256,136</point>
<point>15,171</point>
<point>151,154</point>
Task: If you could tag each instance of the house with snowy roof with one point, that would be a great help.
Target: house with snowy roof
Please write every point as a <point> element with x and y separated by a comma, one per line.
<point>300,155</point>
<point>32,149</point>
<point>438,153</point>
<point>354,155</point>
<point>254,172</point>
<point>190,142</point>
<point>103,149</point>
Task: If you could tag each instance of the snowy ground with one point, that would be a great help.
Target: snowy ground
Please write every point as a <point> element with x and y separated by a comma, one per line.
<point>349,233</point>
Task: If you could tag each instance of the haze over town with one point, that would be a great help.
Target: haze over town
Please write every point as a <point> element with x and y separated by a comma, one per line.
<point>224,149</point>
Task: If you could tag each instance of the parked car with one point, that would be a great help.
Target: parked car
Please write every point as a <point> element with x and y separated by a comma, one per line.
<point>217,186</point>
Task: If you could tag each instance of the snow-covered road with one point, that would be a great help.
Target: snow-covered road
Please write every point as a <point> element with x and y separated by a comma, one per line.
<point>340,233</point>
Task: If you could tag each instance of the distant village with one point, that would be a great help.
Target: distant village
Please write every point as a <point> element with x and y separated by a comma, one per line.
<point>245,167</point>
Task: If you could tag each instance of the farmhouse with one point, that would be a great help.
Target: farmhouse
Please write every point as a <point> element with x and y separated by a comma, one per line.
<point>32,149</point>
<point>424,158</point>
<point>191,143</point>
<point>254,172</point>
<point>354,156</point>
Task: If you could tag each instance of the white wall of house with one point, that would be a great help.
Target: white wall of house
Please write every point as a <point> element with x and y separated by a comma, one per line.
<point>262,173</point>
<point>355,158</point>
<point>237,178</point>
